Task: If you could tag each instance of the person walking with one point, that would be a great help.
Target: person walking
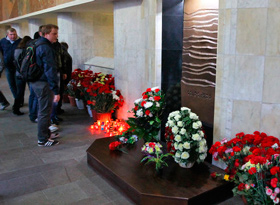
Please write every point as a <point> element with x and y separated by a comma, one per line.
<point>46,88</point>
<point>7,47</point>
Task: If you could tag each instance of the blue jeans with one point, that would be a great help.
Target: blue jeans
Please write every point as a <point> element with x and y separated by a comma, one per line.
<point>11,77</point>
<point>45,99</point>
<point>32,104</point>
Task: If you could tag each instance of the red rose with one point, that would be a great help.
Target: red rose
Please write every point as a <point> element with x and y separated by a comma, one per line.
<point>114,145</point>
<point>252,171</point>
<point>136,108</point>
<point>157,98</point>
<point>147,112</point>
<point>274,170</point>
<point>157,90</point>
<point>236,163</point>
<point>273,182</point>
<point>143,103</point>
<point>236,149</point>
<point>241,186</point>
<point>149,90</point>
<point>145,96</point>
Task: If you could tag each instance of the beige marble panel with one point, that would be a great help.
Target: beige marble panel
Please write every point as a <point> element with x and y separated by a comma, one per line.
<point>222,4</point>
<point>252,3</point>
<point>248,78</point>
<point>222,118</point>
<point>273,32</point>
<point>271,86</point>
<point>273,3</point>
<point>230,44</point>
<point>246,116</point>
<point>251,31</point>
<point>225,76</point>
<point>270,119</point>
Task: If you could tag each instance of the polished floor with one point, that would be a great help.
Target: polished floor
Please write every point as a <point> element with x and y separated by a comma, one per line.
<point>52,175</point>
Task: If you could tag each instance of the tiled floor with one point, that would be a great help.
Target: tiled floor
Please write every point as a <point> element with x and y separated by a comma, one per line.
<point>51,175</point>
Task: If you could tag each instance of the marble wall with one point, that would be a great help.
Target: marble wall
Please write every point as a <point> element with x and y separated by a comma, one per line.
<point>247,90</point>
<point>137,39</point>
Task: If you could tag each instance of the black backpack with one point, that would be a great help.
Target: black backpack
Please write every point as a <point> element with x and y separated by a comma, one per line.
<point>29,70</point>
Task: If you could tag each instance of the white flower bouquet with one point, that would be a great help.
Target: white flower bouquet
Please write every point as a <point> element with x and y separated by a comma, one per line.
<point>185,138</point>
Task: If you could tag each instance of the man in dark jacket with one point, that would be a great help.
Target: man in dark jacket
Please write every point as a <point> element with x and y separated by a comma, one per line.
<point>46,88</point>
<point>7,47</point>
<point>3,101</point>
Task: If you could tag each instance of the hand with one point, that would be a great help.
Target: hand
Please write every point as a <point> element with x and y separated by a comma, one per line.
<point>56,98</point>
<point>64,76</point>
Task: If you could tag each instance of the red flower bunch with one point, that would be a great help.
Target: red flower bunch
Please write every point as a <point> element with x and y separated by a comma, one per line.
<point>253,164</point>
<point>80,79</point>
<point>102,95</point>
<point>147,113</point>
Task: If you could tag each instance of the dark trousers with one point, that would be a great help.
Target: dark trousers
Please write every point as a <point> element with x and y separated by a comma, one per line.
<point>32,104</point>
<point>11,77</point>
<point>3,100</point>
<point>45,98</point>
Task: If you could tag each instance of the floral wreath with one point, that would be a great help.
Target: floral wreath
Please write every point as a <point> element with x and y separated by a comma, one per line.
<point>184,137</point>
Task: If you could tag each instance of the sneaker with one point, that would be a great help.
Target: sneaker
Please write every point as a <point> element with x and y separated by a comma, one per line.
<point>34,121</point>
<point>3,107</point>
<point>53,128</point>
<point>48,143</point>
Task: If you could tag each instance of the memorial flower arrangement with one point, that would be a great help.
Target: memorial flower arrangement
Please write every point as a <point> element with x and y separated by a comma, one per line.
<point>154,154</point>
<point>185,138</point>
<point>102,95</point>
<point>79,78</point>
<point>253,164</point>
<point>147,113</point>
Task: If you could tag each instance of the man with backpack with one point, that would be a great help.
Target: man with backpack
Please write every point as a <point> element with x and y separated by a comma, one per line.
<point>46,87</point>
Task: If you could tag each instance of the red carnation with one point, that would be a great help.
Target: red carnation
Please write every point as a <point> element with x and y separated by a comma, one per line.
<point>114,145</point>
<point>157,98</point>
<point>274,170</point>
<point>143,103</point>
<point>273,182</point>
<point>236,149</point>
<point>214,175</point>
<point>145,96</point>
<point>241,186</point>
<point>147,112</point>
<point>252,170</point>
<point>157,90</point>
<point>136,108</point>
<point>149,90</point>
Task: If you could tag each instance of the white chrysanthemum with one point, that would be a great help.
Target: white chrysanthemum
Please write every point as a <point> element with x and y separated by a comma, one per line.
<point>115,97</point>
<point>154,88</point>
<point>178,154</point>
<point>202,156</point>
<point>176,112</point>
<point>178,138</point>
<point>176,145</point>
<point>201,133</point>
<point>180,124</point>
<point>157,104</point>
<point>183,131</point>
<point>138,101</point>
<point>187,145</point>
<point>185,108</point>
<point>175,130</point>
<point>193,116</point>
<point>150,115</point>
<point>185,155</point>
<point>246,150</point>
<point>171,123</point>
<point>172,114</point>
<point>196,137</point>
<point>177,160</point>
<point>180,147</point>
<point>139,113</point>
<point>202,149</point>
<point>202,142</point>
<point>177,117</point>
<point>196,125</point>
<point>148,104</point>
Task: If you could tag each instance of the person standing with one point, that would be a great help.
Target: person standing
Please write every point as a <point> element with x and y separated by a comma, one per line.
<point>46,88</point>
<point>7,47</point>
<point>3,101</point>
